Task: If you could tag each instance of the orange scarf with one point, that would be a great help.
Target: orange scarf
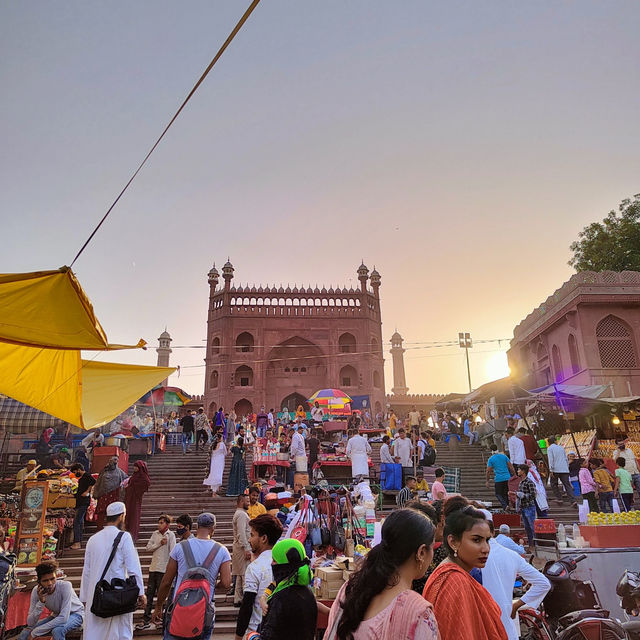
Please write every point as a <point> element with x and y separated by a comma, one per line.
<point>463,607</point>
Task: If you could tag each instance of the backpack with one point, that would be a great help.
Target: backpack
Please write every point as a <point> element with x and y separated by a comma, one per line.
<point>192,608</point>
<point>429,456</point>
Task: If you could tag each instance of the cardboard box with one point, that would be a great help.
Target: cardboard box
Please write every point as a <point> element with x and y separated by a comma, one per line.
<point>329,574</point>
<point>347,574</point>
<point>329,591</point>
<point>345,562</point>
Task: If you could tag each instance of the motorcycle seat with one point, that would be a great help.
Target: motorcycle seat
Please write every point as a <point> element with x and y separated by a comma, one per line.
<point>576,616</point>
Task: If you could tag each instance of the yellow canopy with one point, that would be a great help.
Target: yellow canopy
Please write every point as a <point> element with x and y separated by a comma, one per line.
<point>85,393</point>
<point>50,309</point>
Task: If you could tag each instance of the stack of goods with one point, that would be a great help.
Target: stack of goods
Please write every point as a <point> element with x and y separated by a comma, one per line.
<point>62,493</point>
<point>329,579</point>
<point>606,448</point>
<point>49,543</point>
<point>584,440</point>
<point>332,457</point>
<point>607,519</point>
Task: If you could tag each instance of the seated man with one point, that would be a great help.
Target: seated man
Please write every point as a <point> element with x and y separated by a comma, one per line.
<point>28,473</point>
<point>67,612</point>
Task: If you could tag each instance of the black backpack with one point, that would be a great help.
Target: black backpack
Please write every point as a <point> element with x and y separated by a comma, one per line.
<point>429,456</point>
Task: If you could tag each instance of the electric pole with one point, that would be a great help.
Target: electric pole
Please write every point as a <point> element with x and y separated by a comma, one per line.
<point>465,342</point>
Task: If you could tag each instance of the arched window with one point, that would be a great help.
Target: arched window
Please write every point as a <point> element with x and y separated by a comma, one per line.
<point>573,354</point>
<point>375,347</point>
<point>215,346</point>
<point>615,344</point>
<point>377,379</point>
<point>348,376</point>
<point>244,342</point>
<point>347,343</point>
<point>213,407</point>
<point>243,376</point>
<point>213,380</point>
<point>557,363</point>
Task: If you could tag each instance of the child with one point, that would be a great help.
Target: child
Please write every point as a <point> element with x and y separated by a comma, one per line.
<point>623,484</point>
<point>161,543</point>
<point>421,483</point>
<point>605,487</point>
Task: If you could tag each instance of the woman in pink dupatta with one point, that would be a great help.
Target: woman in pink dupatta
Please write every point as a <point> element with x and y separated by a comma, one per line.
<point>377,603</point>
<point>137,485</point>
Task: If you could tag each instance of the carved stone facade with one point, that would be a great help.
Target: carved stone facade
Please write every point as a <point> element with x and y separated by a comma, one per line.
<point>276,346</point>
<point>586,333</point>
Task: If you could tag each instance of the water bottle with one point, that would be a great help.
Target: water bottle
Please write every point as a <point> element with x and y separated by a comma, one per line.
<point>562,536</point>
<point>576,531</point>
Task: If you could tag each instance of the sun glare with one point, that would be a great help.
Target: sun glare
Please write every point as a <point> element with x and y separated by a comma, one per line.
<point>496,366</point>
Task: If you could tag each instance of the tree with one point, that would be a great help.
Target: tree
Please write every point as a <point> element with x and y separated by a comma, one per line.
<point>610,245</point>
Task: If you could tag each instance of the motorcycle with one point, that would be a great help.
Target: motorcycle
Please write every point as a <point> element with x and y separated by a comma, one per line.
<point>628,588</point>
<point>571,610</point>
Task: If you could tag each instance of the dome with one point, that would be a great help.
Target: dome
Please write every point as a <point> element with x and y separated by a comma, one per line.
<point>363,269</point>
<point>396,337</point>
<point>374,273</point>
<point>164,335</point>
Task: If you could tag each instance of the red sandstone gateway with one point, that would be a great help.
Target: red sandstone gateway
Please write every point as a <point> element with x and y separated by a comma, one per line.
<point>275,346</point>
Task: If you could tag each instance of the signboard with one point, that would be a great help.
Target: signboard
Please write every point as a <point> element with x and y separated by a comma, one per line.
<point>30,529</point>
<point>361,403</point>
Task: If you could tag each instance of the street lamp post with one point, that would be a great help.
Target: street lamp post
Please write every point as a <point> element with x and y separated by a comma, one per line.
<point>465,342</point>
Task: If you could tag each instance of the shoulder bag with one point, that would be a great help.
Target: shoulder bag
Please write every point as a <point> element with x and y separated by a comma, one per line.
<point>116,597</point>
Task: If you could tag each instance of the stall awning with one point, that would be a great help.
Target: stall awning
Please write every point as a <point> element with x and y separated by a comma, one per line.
<point>503,390</point>
<point>587,392</point>
<point>50,309</point>
<point>16,414</point>
<point>46,319</point>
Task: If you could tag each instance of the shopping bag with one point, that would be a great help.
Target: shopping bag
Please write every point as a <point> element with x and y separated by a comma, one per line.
<point>583,512</point>
<point>616,506</point>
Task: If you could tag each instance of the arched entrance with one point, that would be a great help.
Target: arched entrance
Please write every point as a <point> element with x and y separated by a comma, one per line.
<point>293,401</point>
<point>243,407</point>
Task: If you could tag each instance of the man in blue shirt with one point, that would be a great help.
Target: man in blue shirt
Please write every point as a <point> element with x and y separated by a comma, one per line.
<point>504,538</point>
<point>502,470</point>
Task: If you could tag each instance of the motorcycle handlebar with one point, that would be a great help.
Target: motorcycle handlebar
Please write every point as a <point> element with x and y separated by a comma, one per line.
<point>579,558</point>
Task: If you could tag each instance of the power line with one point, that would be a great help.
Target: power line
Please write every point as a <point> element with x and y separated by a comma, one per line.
<point>227,42</point>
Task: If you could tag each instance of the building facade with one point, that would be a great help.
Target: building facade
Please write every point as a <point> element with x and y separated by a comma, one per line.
<point>276,346</point>
<point>586,333</point>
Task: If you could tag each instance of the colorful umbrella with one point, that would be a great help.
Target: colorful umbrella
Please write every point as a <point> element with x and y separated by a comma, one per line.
<point>335,400</point>
<point>168,396</point>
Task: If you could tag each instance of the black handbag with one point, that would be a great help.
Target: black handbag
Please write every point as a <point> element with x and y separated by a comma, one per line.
<point>116,597</point>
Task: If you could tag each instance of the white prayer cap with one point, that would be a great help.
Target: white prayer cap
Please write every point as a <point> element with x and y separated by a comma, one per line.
<point>487,514</point>
<point>115,509</point>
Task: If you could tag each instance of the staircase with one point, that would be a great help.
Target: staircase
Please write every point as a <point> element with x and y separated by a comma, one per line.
<point>176,488</point>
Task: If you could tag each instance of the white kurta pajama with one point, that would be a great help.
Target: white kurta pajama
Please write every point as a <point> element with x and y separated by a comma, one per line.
<point>125,563</point>
<point>358,449</point>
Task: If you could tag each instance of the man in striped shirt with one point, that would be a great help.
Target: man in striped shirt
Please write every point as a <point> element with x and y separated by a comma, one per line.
<point>407,492</point>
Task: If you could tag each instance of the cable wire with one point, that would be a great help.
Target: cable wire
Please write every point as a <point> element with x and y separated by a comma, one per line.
<point>227,42</point>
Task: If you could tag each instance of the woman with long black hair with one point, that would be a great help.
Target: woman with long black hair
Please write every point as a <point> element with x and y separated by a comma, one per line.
<point>463,607</point>
<point>377,602</point>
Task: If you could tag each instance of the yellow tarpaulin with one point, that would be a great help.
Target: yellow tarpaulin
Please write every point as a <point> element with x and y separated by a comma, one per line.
<point>85,393</point>
<point>50,309</point>
<point>46,318</point>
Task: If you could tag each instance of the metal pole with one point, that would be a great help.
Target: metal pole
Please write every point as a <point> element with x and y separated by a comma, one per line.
<point>466,349</point>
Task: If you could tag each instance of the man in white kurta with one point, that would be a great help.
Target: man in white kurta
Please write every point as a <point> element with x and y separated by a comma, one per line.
<point>358,449</point>
<point>498,576</point>
<point>125,563</point>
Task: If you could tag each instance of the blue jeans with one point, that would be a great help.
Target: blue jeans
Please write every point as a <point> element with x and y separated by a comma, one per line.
<point>57,633</point>
<point>186,440</point>
<point>528,518</point>
<point>606,501</point>
<point>78,523</point>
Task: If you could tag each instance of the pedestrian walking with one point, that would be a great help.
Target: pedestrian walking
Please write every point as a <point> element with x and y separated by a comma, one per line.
<point>462,606</point>
<point>200,555</point>
<point>559,467</point>
<point>218,456</point>
<point>187,423</point>
<point>255,508</point>
<point>622,451</point>
<point>83,500</point>
<point>498,577</point>
<point>107,488</point>
<point>588,486</point>
<point>623,485</point>
<point>313,443</point>
<point>377,602</point>
<point>136,486</point>
<point>605,483</point>
<point>265,532</point>
<point>241,547</point>
<point>203,431</point>
<point>517,453</point>
<point>402,451</point>
<point>238,481</point>
<point>125,563</point>
<point>358,451</point>
<point>161,545</point>
<point>502,470</point>
<point>526,500</point>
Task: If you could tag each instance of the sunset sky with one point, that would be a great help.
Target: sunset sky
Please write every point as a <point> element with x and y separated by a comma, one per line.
<point>459,147</point>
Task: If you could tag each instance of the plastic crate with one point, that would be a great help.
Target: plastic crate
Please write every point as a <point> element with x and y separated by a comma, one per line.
<point>451,479</point>
<point>174,438</point>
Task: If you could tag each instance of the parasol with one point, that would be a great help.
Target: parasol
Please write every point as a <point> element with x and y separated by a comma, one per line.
<point>330,398</point>
<point>167,396</point>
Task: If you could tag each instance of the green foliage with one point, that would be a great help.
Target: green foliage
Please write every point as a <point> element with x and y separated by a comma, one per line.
<point>610,245</point>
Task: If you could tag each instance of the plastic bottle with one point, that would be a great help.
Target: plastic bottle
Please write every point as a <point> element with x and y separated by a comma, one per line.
<point>562,536</point>
<point>576,531</point>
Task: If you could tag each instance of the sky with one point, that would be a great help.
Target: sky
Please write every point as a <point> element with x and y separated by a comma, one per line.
<point>459,147</point>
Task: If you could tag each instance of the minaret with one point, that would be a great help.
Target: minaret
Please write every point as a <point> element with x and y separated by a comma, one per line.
<point>164,351</point>
<point>363,276</point>
<point>397,353</point>
<point>375,282</point>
